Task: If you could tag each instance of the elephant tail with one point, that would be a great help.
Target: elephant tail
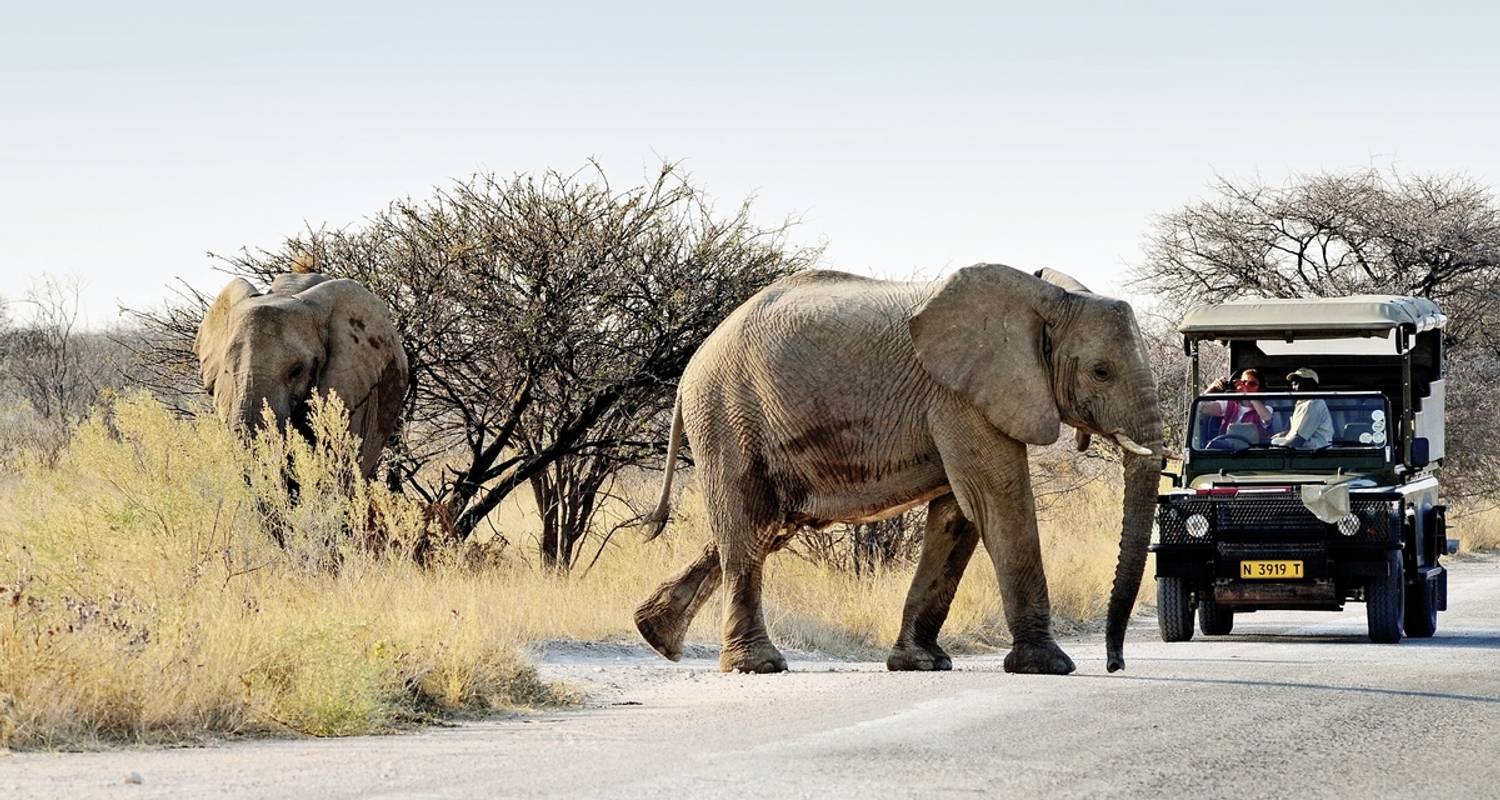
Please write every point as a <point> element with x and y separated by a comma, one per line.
<point>657,520</point>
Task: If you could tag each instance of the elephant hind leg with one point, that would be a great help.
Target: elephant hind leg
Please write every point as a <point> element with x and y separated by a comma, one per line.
<point>664,618</point>
<point>747,644</point>
<point>746,531</point>
<point>947,545</point>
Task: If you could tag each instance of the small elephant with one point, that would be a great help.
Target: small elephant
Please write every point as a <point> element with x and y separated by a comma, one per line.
<point>309,333</point>
<point>830,398</point>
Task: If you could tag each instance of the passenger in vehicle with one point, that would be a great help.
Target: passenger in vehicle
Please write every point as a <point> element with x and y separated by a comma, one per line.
<point>1245,419</point>
<point>1312,425</point>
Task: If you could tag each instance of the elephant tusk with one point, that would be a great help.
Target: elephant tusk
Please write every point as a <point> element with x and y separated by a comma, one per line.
<point>1130,445</point>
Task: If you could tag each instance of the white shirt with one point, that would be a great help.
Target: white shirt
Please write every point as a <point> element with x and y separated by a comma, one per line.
<point>1311,421</point>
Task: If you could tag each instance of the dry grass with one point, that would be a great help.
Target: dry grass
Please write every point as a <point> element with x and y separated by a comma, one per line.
<point>1477,529</point>
<point>808,606</point>
<point>143,600</point>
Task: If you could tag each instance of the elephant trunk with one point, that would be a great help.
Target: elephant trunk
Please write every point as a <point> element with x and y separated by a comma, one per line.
<point>246,419</point>
<point>1142,475</point>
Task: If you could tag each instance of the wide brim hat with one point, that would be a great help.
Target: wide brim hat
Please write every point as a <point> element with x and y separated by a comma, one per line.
<point>1303,373</point>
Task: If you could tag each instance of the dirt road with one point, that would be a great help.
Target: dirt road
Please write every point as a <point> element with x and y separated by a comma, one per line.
<point>1291,705</point>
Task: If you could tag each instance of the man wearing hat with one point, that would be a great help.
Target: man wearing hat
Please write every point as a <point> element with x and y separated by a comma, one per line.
<point>1312,425</point>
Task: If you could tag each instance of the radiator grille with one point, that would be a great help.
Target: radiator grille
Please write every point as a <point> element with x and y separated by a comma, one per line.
<point>1267,516</point>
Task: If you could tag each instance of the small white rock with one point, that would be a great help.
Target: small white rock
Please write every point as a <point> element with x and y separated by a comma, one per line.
<point>133,778</point>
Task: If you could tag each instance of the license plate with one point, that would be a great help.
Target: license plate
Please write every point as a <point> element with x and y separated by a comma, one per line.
<point>1270,570</point>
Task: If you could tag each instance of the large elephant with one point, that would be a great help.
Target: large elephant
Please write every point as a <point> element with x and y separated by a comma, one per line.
<point>308,334</point>
<point>831,398</point>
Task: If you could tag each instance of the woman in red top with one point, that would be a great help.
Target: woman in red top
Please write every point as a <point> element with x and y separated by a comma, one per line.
<point>1249,412</point>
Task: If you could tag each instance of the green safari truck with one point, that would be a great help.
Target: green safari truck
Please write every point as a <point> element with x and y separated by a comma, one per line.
<point>1317,484</point>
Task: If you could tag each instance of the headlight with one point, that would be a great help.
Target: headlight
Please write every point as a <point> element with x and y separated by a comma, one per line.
<point>1349,524</point>
<point>1197,526</point>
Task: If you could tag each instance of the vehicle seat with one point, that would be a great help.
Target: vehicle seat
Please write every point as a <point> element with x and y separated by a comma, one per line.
<point>1353,430</point>
<point>1243,430</point>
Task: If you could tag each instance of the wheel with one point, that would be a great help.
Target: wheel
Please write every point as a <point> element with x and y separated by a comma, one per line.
<point>1174,610</point>
<point>1420,619</point>
<point>1214,619</point>
<point>1385,600</point>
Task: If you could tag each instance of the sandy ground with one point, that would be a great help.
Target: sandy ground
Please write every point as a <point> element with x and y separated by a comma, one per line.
<point>1292,704</point>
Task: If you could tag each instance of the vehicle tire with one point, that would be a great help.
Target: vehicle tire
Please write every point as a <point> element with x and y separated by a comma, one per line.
<point>1214,619</point>
<point>1174,610</point>
<point>1385,603</point>
<point>1420,620</point>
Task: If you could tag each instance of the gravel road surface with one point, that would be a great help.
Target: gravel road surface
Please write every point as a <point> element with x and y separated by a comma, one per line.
<point>1293,704</point>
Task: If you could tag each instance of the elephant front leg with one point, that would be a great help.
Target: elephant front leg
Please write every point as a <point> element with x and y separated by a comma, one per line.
<point>664,618</point>
<point>989,475</point>
<point>1016,550</point>
<point>947,545</point>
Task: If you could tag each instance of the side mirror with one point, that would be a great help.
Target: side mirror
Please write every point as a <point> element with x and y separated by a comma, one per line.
<point>1420,453</point>
<point>1166,472</point>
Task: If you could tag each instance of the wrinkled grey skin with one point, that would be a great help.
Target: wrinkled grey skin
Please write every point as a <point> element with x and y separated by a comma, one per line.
<point>308,334</point>
<point>833,398</point>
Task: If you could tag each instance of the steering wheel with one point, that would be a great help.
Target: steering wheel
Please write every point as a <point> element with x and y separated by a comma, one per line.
<point>1228,441</point>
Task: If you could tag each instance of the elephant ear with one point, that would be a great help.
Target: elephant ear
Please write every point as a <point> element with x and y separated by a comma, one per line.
<point>983,334</point>
<point>211,345</point>
<point>1062,280</point>
<point>364,364</point>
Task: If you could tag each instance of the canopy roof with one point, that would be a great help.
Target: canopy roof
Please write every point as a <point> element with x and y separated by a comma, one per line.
<point>1309,318</point>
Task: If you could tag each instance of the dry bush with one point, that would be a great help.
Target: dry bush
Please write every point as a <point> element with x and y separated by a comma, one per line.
<point>52,372</point>
<point>866,548</point>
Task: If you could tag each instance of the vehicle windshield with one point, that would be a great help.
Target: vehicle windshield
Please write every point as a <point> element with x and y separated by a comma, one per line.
<point>1305,421</point>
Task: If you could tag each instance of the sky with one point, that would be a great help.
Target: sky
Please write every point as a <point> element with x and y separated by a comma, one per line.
<point>911,139</point>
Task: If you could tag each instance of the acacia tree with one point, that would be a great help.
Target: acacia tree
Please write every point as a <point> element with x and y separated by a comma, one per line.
<point>1364,232</point>
<point>1337,234</point>
<point>546,320</point>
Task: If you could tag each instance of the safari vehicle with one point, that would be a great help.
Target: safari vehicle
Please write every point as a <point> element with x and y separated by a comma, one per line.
<point>1254,523</point>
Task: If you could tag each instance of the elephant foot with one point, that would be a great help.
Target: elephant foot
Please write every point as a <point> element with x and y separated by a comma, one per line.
<point>664,618</point>
<point>911,658</point>
<point>661,626</point>
<point>758,658</point>
<point>1038,658</point>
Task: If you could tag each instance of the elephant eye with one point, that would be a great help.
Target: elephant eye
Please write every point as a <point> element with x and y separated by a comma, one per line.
<point>1102,371</point>
<point>296,371</point>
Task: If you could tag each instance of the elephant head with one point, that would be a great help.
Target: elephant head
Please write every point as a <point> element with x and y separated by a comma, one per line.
<point>308,334</point>
<point>1032,354</point>
<point>1082,437</point>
